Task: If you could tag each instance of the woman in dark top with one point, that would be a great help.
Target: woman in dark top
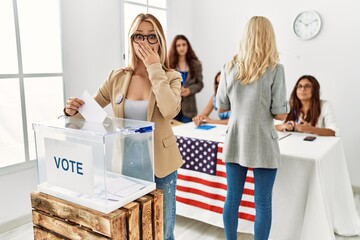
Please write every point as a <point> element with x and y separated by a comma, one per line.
<point>183,58</point>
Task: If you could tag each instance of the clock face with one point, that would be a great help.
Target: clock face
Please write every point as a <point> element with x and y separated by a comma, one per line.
<point>307,25</point>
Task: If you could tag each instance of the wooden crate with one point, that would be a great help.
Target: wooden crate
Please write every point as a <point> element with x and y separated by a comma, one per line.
<point>54,218</point>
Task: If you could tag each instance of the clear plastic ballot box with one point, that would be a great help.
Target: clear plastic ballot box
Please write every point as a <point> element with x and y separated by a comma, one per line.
<point>102,166</point>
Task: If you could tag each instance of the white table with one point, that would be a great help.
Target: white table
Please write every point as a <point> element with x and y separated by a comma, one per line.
<point>312,195</point>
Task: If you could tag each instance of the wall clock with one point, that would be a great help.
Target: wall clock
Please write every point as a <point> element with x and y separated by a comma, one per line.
<point>307,25</point>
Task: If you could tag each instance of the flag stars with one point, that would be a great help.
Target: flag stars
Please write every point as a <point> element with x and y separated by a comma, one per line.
<point>199,155</point>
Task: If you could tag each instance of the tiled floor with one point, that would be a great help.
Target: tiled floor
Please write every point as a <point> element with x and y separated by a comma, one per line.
<point>185,229</point>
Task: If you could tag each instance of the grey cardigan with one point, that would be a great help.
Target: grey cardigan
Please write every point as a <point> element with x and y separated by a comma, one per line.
<point>251,139</point>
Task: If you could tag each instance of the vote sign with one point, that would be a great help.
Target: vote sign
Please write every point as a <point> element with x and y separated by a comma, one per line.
<point>69,165</point>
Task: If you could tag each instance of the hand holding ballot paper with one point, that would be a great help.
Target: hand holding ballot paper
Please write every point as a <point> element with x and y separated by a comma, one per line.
<point>86,106</point>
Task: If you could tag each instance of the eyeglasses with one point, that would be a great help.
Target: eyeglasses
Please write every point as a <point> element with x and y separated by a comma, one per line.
<point>305,87</point>
<point>151,38</point>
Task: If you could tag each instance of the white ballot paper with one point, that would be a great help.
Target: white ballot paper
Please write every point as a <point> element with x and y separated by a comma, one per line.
<point>91,110</point>
<point>123,187</point>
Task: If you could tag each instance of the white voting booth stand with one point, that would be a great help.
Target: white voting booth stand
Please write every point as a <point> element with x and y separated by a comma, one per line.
<point>102,166</point>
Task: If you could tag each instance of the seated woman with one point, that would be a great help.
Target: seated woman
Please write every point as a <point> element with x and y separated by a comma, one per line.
<point>204,116</point>
<point>308,113</point>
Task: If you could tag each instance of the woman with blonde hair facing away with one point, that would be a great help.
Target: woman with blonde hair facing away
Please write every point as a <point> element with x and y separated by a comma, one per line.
<point>211,105</point>
<point>308,113</point>
<point>253,87</point>
<point>147,90</point>
<point>183,58</point>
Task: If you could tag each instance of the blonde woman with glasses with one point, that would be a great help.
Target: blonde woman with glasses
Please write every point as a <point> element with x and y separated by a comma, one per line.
<point>147,90</point>
<point>252,86</point>
<point>308,113</point>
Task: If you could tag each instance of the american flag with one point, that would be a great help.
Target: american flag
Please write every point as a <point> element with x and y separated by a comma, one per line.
<point>202,183</point>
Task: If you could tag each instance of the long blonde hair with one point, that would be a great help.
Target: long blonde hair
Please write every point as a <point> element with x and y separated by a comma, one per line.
<point>132,62</point>
<point>257,51</point>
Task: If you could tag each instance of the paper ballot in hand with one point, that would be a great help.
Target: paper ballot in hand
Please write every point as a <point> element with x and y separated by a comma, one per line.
<point>91,110</point>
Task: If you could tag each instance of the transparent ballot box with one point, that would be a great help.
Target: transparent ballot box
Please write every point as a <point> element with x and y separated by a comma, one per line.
<point>102,166</point>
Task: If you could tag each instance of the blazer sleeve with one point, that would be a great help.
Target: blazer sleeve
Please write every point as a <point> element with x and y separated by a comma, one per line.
<point>166,87</point>
<point>222,97</point>
<point>278,92</point>
<point>198,83</point>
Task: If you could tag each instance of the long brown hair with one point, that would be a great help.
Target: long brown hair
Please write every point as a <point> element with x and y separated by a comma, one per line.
<point>216,84</point>
<point>190,57</point>
<point>313,114</point>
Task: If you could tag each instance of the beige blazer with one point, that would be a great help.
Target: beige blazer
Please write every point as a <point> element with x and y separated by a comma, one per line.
<point>164,105</point>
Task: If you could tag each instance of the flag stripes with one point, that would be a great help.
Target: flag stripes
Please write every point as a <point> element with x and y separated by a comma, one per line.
<point>207,190</point>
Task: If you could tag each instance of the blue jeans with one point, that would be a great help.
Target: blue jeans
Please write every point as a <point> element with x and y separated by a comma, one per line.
<point>264,181</point>
<point>168,185</point>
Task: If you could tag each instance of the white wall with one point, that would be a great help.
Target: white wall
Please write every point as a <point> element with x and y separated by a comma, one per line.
<point>332,57</point>
<point>92,43</point>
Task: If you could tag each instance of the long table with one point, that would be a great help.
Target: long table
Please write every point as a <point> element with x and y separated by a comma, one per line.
<point>312,197</point>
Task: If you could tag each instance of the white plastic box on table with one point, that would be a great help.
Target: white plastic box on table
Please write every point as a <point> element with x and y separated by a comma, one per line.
<point>102,166</point>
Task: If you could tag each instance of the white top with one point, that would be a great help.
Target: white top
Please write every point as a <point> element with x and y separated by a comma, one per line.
<point>327,117</point>
<point>135,109</point>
